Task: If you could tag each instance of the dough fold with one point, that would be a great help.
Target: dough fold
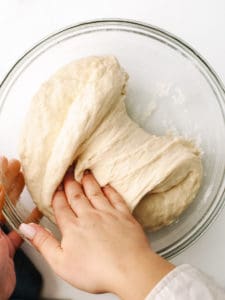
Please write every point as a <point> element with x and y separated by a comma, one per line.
<point>79,115</point>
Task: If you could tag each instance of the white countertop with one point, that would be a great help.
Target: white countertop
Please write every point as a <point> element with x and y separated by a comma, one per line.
<point>200,23</point>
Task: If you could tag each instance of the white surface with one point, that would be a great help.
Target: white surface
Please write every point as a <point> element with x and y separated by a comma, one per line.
<point>200,23</point>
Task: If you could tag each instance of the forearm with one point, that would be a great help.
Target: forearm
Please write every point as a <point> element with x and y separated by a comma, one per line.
<point>142,276</point>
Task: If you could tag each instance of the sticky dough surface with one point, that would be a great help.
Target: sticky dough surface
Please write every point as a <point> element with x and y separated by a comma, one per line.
<point>79,115</point>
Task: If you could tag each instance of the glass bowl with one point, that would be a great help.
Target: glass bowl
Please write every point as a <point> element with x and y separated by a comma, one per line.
<point>171,90</point>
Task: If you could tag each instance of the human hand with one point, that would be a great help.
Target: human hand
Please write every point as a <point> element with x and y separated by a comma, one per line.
<point>103,248</point>
<point>13,181</point>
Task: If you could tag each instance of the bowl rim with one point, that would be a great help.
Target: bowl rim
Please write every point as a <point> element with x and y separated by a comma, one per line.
<point>210,216</point>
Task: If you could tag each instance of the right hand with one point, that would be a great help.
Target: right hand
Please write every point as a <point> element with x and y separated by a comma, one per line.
<point>103,248</point>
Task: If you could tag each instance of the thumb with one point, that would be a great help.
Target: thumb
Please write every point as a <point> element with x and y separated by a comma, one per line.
<point>43,241</point>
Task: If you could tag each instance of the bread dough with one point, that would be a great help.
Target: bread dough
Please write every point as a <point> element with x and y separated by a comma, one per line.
<point>79,115</point>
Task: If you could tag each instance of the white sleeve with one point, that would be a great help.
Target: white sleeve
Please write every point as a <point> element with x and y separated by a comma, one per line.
<point>186,283</point>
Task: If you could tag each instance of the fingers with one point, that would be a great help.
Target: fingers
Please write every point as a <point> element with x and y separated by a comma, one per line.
<point>11,173</point>
<point>115,199</point>
<point>12,179</point>
<point>17,188</point>
<point>13,236</point>
<point>63,212</point>
<point>16,241</point>
<point>8,172</point>
<point>94,193</point>
<point>43,241</point>
<point>75,195</point>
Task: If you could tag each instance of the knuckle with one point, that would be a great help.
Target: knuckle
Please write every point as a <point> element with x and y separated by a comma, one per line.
<point>40,240</point>
<point>61,207</point>
<point>118,200</point>
<point>96,194</point>
<point>91,218</point>
<point>77,197</point>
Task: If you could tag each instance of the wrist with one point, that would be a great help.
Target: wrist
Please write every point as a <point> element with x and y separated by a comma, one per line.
<point>141,276</point>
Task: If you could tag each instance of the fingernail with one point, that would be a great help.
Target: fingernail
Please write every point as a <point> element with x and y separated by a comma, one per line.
<point>27,230</point>
<point>86,172</point>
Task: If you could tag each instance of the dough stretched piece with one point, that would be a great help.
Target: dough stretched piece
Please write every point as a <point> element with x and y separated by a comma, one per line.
<point>79,115</point>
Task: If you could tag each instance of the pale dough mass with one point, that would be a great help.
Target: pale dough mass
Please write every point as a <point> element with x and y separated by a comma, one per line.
<point>79,115</point>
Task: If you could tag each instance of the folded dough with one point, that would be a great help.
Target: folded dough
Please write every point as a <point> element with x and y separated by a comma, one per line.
<point>79,115</point>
